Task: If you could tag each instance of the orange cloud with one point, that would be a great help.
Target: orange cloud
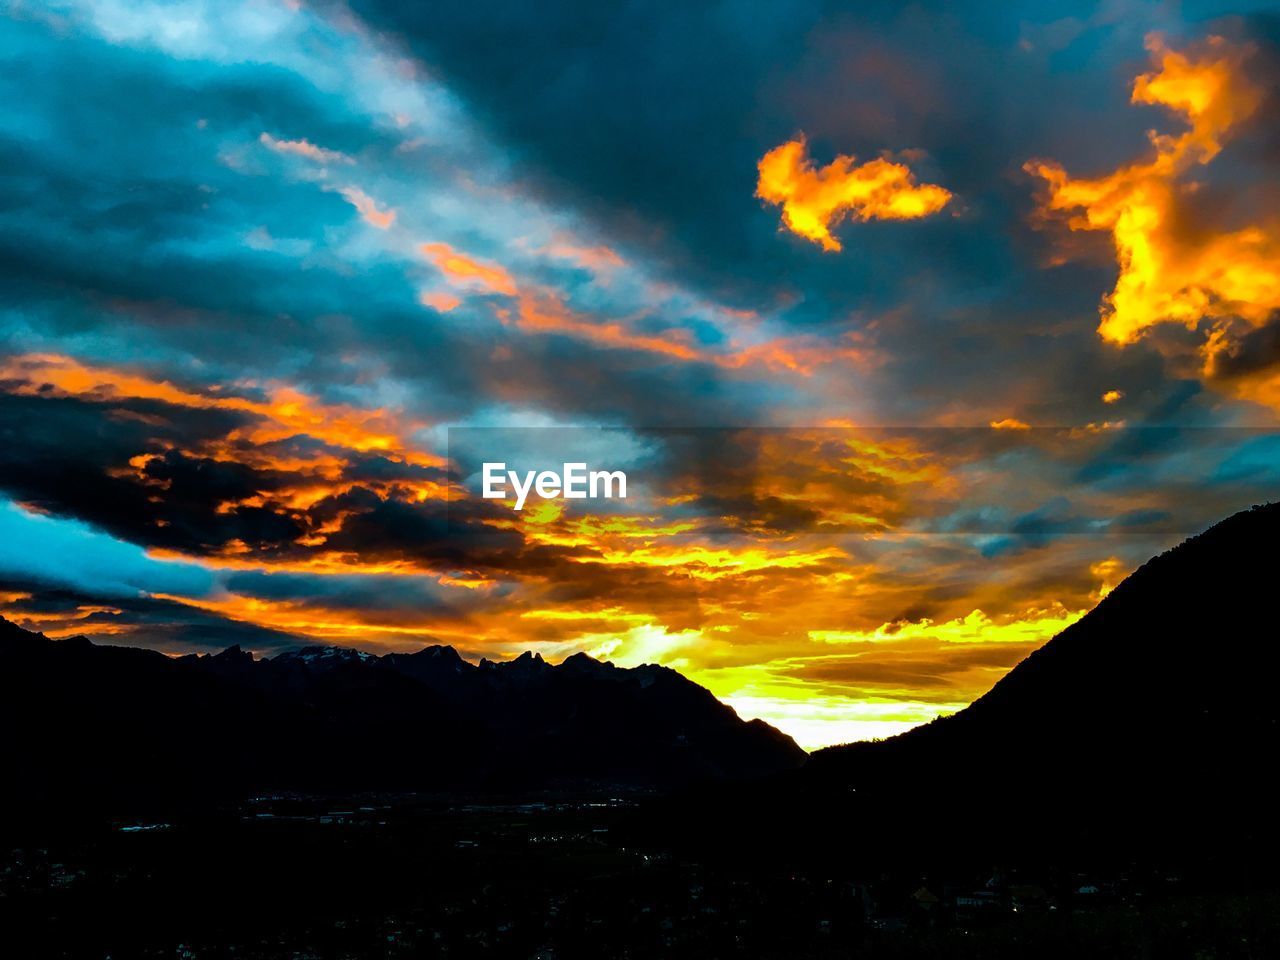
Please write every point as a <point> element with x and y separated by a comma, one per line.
<point>439,300</point>
<point>543,309</point>
<point>1169,274</point>
<point>368,208</point>
<point>1109,573</point>
<point>286,412</point>
<point>304,148</point>
<point>326,624</point>
<point>815,200</point>
<point>598,259</point>
<point>462,269</point>
<point>545,312</point>
<point>1259,385</point>
<point>802,354</point>
<point>1113,396</point>
<point>1009,423</point>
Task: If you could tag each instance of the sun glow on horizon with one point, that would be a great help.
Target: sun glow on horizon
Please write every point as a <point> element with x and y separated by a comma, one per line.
<point>882,440</point>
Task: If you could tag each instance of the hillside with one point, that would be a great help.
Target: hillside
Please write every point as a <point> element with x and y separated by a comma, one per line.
<point>1171,678</point>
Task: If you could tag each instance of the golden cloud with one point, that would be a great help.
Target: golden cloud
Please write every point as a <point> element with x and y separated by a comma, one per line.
<point>815,200</point>
<point>1170,274</point>
<point>1010,423</point>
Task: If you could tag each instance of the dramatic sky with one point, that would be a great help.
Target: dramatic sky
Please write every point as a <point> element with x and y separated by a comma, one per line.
<point>917,327</point>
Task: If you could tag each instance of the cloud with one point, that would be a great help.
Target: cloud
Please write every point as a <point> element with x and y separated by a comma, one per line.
<point>461,269</point>
<point>440,300</point>
<point>545,312</point>
<point>368,208</point>
<point>281,413</point>
<point>596,257</point>
<point>1177,265</point>
<point>815,200</point>
<point>304,148</point>
<point>599,259</point>
<point>71,554</point>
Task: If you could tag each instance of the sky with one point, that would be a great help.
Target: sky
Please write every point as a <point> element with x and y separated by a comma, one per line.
<point>916,327</point>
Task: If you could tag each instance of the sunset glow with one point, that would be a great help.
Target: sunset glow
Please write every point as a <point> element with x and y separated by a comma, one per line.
<point>895,402</point>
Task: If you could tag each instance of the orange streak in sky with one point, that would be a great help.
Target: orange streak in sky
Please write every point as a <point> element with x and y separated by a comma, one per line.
<point>287,412</point>
<point>546,313</point>
<point>312,621</point>
<point>460,268</point>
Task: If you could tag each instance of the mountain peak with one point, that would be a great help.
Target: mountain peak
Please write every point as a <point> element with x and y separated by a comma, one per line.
<point>528,663</point>
<point>319,654</point>
<point>586,664</point>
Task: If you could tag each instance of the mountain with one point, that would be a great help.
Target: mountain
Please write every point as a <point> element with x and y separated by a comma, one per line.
<point>1171,678</point>
<point>117,728</point>
<point>1148,729</point>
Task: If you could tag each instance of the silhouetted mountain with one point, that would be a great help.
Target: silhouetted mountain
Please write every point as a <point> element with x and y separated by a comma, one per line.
<point>1171,679</point>
<point>112,727</point>
<point>1151,724</point>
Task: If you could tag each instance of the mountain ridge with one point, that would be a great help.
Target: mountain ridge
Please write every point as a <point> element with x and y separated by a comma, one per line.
<point>120,724</point>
